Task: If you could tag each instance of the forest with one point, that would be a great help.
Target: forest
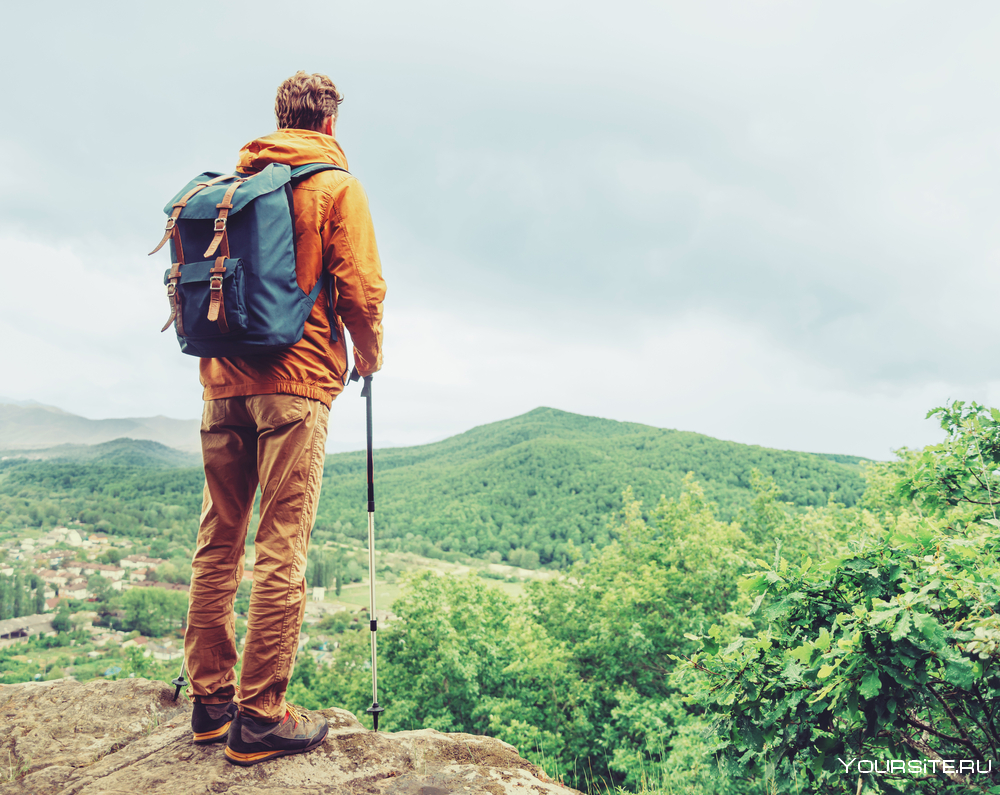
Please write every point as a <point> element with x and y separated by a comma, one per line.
<point>533,491</point>
<point>735,635</point>
<point>827,650</point>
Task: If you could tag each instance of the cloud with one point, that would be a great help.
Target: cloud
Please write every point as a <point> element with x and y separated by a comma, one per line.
<point>698,372</point>
<point>87,340</point>
<point>809,189</point>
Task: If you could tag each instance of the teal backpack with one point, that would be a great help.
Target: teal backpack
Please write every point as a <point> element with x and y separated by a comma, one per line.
<point>231,285</point>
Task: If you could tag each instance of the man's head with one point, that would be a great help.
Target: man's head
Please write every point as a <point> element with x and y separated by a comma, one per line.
<point>307,102</point>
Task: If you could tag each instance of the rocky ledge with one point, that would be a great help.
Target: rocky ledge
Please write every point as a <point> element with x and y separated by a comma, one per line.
<point>130,736</point>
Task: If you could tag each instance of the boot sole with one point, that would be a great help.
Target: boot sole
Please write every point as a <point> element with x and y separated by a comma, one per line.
<point>214,736</point>
<point>245,760</point>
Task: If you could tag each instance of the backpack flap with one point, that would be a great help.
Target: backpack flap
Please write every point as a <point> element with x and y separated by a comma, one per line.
<point>203,204</point>
<point>211,299</point>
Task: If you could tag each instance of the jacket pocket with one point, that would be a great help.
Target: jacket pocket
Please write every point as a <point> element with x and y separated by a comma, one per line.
<point>212,302</point>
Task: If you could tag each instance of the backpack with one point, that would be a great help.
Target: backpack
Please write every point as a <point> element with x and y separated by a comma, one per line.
<point>232,285</point>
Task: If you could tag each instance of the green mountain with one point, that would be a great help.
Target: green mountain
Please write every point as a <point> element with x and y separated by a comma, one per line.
<point>526,487</point>
<point>525,490</point>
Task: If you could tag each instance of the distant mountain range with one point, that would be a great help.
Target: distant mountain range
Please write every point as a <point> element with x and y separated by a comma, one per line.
<point>30,426</point>
<point>118,452</point>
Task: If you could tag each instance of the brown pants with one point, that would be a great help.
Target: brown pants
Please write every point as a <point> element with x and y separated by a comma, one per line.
<point>278,442</point>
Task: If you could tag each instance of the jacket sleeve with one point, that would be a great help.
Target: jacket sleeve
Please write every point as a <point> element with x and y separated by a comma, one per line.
<point>350,254</point>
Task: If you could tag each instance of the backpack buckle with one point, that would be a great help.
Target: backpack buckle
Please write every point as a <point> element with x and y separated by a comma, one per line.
<point>215,283</point>
<point>220,224</point>
<point>171,289</point>
<point>171,223</point>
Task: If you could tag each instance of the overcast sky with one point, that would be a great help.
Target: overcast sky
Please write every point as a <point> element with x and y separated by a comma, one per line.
<point>771,222</point>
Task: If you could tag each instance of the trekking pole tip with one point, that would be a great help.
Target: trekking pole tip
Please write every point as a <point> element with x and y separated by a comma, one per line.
<point>180,681</point>
<point>375,709</point>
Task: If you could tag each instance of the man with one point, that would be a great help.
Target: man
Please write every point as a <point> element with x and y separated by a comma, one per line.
<point>265,424</point>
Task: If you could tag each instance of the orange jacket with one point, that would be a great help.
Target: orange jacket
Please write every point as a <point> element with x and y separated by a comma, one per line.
<point>333,230</point>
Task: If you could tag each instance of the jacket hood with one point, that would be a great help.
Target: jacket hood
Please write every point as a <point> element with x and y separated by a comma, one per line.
<point>293,148</point>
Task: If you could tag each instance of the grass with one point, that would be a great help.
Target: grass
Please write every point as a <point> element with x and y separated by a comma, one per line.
<point>356,594</point>
<point>14,769</point>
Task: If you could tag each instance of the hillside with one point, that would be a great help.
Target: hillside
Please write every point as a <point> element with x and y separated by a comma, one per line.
<point>548,477</point>
<point>521,490</point>
<point>120,452</point>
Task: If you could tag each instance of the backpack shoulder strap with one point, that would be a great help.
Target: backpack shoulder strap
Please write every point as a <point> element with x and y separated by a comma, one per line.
<point>299,173</point>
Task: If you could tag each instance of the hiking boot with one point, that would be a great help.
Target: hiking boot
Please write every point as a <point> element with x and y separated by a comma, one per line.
<point>252,741</point>
<point>210,722</point>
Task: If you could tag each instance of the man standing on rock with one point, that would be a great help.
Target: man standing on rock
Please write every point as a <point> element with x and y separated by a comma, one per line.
<point>265,423</point>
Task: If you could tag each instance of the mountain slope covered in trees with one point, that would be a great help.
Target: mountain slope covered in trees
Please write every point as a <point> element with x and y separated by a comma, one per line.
<point>538,487</point>
<point>532,490</point>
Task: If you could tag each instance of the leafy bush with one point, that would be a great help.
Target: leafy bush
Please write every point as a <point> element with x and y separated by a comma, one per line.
<point>878,666</point>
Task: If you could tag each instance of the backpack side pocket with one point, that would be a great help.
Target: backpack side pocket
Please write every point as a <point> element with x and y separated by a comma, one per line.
<point>212,299</point>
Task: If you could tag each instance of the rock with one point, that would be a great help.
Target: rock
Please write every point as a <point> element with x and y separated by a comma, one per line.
<point>112,738</point>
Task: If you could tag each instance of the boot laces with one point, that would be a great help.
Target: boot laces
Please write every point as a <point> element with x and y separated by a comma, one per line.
<point>296,713</point>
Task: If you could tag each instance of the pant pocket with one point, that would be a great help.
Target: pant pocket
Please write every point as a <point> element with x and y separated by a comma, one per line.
<point>276,411</point>
<point>214,414</point>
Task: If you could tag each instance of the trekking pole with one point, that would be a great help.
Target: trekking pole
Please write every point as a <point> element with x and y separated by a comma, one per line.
<point>374,709</point>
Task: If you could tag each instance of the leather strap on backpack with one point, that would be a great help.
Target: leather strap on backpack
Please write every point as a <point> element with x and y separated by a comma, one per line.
<point>217,306</point>
<point>220,222</point>
<point>172,281</point>
<point>172,297</point>
<point>172,231</point>
<point>179,205</point>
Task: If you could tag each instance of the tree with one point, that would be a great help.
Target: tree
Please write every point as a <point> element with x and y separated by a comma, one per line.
<point>154,611</point>
<point>335,622</point>
<point>137,663</point>
<point>464,657</point>
<point>20,603</point>
<point>337,572</point>
<point>61,622</point>
<point>962,472</point>
<point>887,650</point>
<point>319,570</point>
<point>640,600</point>
<point>100,588</point>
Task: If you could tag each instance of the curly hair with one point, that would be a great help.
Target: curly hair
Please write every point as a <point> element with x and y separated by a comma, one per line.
<point>305,101</point>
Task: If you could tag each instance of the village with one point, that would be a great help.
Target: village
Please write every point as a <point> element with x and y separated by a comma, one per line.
<point>68,563</point>
<point>73,629</point>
